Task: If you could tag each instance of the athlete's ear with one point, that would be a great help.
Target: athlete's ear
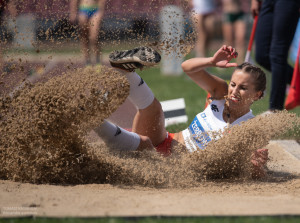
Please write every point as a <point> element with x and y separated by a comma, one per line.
<point>258,95</point>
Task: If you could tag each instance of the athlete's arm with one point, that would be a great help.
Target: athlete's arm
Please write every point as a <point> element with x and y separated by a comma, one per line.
<point>195,69</point>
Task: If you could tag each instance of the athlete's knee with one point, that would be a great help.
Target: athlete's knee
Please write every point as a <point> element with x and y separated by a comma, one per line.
<point>157,106</point>
<point>154,109</point>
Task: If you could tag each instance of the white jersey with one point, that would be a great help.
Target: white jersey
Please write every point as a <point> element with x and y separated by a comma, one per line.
<point>205,124</point>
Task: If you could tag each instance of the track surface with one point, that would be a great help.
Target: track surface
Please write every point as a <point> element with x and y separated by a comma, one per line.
<point>278,194</point>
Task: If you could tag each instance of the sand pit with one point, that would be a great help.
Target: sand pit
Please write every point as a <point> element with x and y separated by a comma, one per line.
<point>50,167</point>
<point>276,195</point>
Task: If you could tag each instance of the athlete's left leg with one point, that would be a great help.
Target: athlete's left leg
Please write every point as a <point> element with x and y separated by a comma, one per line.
<point>149,119</point>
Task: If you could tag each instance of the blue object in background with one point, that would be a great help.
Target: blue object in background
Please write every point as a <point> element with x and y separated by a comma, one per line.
<point>295,44</point>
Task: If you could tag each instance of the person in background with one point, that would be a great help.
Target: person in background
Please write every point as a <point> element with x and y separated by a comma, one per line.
<point>11,7</point>
<point>277,22</point>
<point>203,19</point>
<point>234,25</point>
<point>89,14</point>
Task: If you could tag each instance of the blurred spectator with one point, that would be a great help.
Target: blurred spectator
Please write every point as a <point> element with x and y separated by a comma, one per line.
<point>203,18</point>
<point>277,22</point>
<point>89,14</point>
<point>10,5</point>
<point>234,25</point>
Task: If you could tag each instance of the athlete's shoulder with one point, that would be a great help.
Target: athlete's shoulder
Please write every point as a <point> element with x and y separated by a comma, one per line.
<point>216,105</point>
<point>249,115</point>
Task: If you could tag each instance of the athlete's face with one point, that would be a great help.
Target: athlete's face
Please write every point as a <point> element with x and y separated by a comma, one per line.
<point>241,90</point>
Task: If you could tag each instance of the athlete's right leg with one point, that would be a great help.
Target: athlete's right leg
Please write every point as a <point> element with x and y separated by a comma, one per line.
<point>148,126</point>
<point>145,121</point>
<point>119,138</point>
<point>149,120</point>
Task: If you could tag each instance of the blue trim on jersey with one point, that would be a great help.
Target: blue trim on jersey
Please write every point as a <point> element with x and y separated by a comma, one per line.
<point>201,138</point>
<point>203,115</point>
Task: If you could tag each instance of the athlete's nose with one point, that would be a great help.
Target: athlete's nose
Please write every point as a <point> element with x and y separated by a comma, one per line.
<point>235,90</point>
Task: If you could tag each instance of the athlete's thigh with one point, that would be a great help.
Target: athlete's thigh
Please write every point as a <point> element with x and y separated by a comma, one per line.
<point>151,122</point>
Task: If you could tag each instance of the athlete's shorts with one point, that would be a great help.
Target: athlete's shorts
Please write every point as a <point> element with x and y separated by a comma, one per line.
<point>88,11</point>
<point>233,17</point>
<point>165,147</point>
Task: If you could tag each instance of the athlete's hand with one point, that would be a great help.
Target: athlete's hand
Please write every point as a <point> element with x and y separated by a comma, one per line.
<point>259,161</point>
<point>260,157</point>
<point>223,56</point>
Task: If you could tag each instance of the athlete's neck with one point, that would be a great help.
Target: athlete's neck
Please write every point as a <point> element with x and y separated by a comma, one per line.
<point>230,114</point>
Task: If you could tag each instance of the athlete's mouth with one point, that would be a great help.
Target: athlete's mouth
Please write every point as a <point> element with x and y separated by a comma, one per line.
<point>234,99</point>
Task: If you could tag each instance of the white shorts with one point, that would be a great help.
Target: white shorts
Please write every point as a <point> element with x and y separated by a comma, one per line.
<point>204,6</point>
